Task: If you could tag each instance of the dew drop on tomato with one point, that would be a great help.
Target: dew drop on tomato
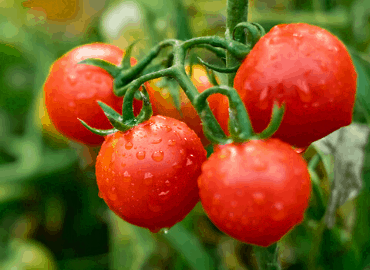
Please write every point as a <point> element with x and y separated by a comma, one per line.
<point>140,155</point>
<point>158,156</point>
<point>148,178</point>
<point>258,197</point>
<point>126,176</point>
<point>156,141</point>
<point>171,142</point>
<point>128,146</point>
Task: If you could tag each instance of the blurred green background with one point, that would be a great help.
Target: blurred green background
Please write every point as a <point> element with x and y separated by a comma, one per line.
<point>50,214</point>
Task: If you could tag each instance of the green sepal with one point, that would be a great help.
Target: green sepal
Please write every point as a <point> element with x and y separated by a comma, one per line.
<point>219,69</point>
<point>112,69</point>
<point>276,119</point>
<point>114,118</point>
<point>126,60</point>
<point>146,110</point>
<point>100,132</point>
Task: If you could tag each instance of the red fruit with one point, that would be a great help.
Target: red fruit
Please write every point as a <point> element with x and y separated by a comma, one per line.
<point>72,91</point>
<point>256,191</point>
<point>148,174</point>
<point>308,69</point>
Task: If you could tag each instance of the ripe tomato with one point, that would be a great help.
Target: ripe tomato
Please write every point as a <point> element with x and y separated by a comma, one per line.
<point>164,104</point>
<point>72,90</point>
<point>148,174</point>
<point>255,191</point>
<point>308,69</point>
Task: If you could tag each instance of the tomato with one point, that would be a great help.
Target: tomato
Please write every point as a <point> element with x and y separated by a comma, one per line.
<point>164,104</point>
<point>148,174</point>
<point>308,69</point>
<point>255,191</point>
<point>72,90</point>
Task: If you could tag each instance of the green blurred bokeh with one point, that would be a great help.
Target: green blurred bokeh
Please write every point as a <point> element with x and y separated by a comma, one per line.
<point>50,214</point>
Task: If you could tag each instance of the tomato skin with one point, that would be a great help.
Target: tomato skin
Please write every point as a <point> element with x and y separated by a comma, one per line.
<point>148,175</point>
<point>308,69</point>
<point>72,90</point>
<point>255,191</point>
<point>164,104</point>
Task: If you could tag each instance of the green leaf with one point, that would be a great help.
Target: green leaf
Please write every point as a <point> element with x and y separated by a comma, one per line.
<point>112,69</point>
<point>347,146</point>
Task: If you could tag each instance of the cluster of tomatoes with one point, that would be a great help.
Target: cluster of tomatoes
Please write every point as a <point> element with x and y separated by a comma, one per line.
<point>155,173</point>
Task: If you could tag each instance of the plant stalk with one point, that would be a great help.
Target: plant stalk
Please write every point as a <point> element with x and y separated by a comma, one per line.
<point>237,12</point>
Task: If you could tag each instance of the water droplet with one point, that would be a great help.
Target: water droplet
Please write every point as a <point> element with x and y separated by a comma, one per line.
<point>164,230</point>
<point>277,212</point>
<point>163,194</point>
<point>258,164</point>
<point>315,104</point>
<point>100,195</point>
<point>239,193</point>
<point>113,189</point>
<point>72,79</point>
<point>81,95</point>
<point>148,178</point>
<point>123,165</point>
<point>234,204</point>
<point>171,142</point>
<point>158,156</point>
<point>182,151</point>
<point>140,155</point>
<point>258,198</point>
<point>156,141</point>
<point>71,104</point>
<point>188,162</point>
<point>128,145</point>
<point>263,100</point>
<point>176,165</point>
<point>167,128</point>
<point>88,75</point>
<point>168,183</point>
<point>126,176</point>
<point>304,91</point>
<point>107,180</point>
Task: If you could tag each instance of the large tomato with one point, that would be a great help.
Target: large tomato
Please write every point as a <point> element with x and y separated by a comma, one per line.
<point>148,174</point>
<point>164,104</point>
<point>72,90</point>
<point>255,191</point>
<point>308,69</point>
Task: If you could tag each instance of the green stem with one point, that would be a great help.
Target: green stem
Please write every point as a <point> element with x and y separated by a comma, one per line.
<point>267,257</point>
<point>237,12</point>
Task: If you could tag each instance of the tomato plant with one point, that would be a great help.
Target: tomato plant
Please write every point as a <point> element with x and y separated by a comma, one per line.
<point>308,69</point>
<point>148,174</point>
<point>71,91</point>
<point>255,191</point>
<point>164,103</point>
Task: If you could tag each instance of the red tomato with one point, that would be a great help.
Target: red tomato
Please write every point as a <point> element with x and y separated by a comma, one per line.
<point>72,90</point>
<point>308,69</point>
<point>148,175</point>
<point>255,191</point>
<point>164,104</point>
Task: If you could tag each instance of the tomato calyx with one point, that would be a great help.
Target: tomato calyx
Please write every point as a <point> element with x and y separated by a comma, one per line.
<point>127,120</point>
<point>240,127</point>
